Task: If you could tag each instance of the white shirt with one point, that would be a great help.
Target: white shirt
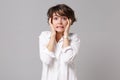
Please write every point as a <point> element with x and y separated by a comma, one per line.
<point>58,65</point>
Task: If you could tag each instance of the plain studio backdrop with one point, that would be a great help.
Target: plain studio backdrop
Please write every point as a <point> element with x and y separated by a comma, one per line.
<point>98,25</point>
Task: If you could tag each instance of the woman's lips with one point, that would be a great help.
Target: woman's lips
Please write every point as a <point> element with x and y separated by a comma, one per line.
<point>59,27</point>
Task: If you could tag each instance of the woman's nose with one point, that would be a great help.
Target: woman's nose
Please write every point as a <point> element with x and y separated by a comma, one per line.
<point>60,21</point>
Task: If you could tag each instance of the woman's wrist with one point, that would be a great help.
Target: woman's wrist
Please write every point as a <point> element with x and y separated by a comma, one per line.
<point>66,33</point>
<point>66,37</point>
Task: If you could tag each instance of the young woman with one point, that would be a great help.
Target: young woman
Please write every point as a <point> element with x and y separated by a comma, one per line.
<point>59,47</point>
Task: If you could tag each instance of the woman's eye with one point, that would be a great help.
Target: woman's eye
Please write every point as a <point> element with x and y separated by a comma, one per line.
<point>55,18</point>
<point>64,18</point>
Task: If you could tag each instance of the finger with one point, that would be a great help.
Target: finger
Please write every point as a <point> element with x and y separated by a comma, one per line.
<point>70,21</point>
<point>51,25</point>
<point>50,21</point>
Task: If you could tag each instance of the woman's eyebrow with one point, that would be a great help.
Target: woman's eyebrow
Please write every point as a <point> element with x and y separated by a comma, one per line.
<point>58,16</point>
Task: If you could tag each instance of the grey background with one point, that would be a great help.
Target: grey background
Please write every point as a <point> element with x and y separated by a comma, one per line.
<point>21,22</point>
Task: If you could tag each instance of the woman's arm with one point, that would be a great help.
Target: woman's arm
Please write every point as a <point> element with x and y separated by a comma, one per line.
<point>46,55</point>
<point>69,52</point>
<point>51,44</point>
<point>66,41</point>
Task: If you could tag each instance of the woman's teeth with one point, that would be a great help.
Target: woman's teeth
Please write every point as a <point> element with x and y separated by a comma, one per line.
<point>59,27</point>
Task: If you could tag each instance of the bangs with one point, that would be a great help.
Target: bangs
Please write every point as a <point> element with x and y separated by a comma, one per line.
<point>60,13</point>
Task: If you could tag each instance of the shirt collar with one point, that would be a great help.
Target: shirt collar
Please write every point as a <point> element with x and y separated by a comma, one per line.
<point>61,38</point>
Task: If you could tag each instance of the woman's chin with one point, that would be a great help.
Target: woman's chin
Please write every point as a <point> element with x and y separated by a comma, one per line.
<point>60,31</point>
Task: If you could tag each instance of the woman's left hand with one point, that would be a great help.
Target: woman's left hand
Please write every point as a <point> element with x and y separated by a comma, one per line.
<point>66,32</point>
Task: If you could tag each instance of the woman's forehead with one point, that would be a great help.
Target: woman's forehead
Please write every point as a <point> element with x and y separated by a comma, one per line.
<point>58,15</point>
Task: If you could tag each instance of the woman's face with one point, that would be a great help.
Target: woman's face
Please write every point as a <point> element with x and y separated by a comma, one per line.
<point>59,22</point>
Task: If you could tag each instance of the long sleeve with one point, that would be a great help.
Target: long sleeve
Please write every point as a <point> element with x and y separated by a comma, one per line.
<point>69,53</point>
<point>46,56</point>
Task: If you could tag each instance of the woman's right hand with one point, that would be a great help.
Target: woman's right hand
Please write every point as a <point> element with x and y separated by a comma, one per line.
<point>52,27</point>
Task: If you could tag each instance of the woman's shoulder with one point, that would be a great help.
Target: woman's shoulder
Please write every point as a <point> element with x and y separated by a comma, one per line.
<point>44,33</point>
<point>74,36</point>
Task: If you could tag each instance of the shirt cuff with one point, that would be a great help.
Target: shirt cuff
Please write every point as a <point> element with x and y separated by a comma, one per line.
<point>66,49</point>
<point>50,53</point>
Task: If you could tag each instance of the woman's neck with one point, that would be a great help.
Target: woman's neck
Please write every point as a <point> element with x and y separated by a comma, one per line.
<point>58,36</point>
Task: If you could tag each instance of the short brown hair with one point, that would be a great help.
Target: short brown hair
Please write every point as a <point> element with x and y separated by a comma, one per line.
<point>62,10</point>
